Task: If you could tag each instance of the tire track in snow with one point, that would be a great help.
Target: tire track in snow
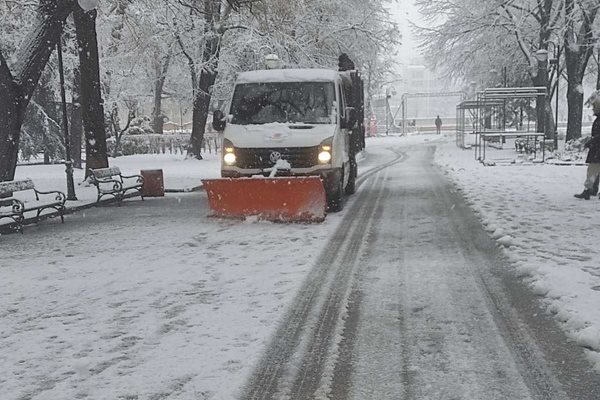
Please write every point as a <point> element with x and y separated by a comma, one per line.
<point>319,358</point>
<point>303,335</point>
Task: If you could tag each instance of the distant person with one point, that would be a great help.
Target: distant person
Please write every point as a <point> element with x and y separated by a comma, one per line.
<point>593,157</point>
<point>438,125</point>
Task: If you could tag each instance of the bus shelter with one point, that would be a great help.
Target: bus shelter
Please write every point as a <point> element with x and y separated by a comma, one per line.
<point>485,117</point>
<point>467,113</point>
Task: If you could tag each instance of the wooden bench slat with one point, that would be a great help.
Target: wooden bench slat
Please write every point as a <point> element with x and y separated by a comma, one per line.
<point>16,186</point>
<point>101,173</point>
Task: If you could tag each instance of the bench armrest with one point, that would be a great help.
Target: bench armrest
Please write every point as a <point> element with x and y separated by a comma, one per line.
<point>60,196</point>
<point>16,205</point>
<point>6,202</point>
<point>140,178</point>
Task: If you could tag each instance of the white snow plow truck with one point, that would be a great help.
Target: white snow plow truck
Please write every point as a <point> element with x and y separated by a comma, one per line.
<point>290,139</point>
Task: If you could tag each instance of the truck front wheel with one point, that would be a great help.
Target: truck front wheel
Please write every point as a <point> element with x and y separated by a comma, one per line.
<point>351,185</point>
<point>335,198</point>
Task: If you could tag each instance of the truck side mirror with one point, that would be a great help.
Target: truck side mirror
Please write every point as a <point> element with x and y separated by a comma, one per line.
<point>350,117</point>
<point>218,122</point>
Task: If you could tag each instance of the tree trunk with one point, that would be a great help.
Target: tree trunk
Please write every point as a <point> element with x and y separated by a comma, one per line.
<point>543,108</point>
<point>92,107</point>
<point>575,69</point>
<point>208,75</point>
<point>11,122</point>
<point>161,75</point>
<point>17,89</point>
<point>578,50</point>
<point>549,122</point>
<point>574,109</point>
<point>200,112</point>
<point>53,139</point>
<point>76,120</point>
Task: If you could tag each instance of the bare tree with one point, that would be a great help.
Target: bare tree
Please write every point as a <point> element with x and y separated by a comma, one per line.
<point>132,106</point>
<point>18,83</point>
<point>475,38</point>
<point>203,70</point>
<point>579,46</point>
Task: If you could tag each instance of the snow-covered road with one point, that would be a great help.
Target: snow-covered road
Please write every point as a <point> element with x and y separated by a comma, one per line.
<point>412,301</point>
<point>401,295</point>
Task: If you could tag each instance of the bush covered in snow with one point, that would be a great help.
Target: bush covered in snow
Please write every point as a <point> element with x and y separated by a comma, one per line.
<point>574,150</point>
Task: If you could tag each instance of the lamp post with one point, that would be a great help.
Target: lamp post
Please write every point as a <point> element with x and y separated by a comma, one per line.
<point>387,110</point>
<point>555,62</point>
<point>65,123</point>
<point>494,74</point>
<point>472,89</point>
<point>389,92</point>
<point>542,60</point>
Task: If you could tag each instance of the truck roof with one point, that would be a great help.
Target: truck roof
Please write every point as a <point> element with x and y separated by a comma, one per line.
<point>289,75</point>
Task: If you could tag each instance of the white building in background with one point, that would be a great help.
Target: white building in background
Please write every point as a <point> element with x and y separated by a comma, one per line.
<point>417,78</point>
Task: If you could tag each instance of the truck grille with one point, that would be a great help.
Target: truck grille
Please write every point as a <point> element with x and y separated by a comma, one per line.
<point>298,157</point>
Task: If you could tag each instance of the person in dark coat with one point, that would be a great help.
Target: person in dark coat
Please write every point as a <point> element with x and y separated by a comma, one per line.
<point>345,63</point>
<point>438,125</point>
<point>593,157</point>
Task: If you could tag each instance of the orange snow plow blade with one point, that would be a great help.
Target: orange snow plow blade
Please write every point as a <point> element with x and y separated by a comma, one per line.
<point>282,199</point>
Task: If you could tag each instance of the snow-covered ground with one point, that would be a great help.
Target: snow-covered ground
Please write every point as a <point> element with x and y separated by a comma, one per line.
<point>179,173</point>
<point>180,306</point>
<point>552,237</point>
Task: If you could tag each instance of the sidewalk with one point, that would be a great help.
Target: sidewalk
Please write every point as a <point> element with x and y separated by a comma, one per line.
<point>179,174</point>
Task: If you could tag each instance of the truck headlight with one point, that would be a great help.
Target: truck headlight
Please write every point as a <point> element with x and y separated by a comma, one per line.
<point>229,158</point>
<point>325,150</point>
<point>228,152</point>
<point>324,156</point>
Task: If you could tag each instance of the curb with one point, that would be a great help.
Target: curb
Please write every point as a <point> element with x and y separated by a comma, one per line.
<point>185,190</point>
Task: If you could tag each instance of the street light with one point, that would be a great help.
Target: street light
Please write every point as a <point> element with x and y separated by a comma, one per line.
<point>88,5</point>
<point>555,62</point>
<point>65,123</point>
<point>388,95</point>
<point>387,107</point>
<point>472,88</point>
<point>542,59</point>
<point>494,74</point>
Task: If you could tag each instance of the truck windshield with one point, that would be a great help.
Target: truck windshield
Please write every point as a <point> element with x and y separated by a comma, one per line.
<point>285,102</point>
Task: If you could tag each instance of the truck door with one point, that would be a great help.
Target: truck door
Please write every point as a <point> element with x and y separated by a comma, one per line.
<point>343,129</point>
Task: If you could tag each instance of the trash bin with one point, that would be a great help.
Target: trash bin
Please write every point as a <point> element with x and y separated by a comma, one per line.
<point>153,183</point>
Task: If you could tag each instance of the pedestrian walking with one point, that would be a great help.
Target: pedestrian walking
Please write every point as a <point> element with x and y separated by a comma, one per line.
<point>438,125</point>
<point>593,157</point>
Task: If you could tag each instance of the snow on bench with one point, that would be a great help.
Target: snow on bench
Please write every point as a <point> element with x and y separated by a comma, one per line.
<point>15,201</point>
<point>111,182</point>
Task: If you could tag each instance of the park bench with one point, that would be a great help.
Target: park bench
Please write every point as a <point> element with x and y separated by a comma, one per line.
<point>20,196</point>
<point>111,182</point>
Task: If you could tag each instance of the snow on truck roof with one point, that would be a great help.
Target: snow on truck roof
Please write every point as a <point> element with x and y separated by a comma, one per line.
<point>288,75</point>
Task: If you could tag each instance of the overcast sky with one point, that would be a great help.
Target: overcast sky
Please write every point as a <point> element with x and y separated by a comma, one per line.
<point>405,12</point>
